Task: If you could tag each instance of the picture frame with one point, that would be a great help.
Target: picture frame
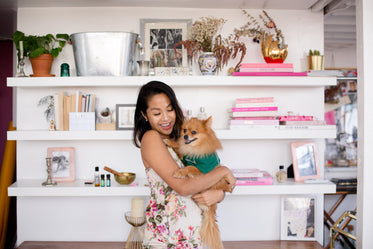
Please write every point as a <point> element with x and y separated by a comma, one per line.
<point>63,163</point>
<point>159,37</point>
<point>305,161</point>
<point>125,114</point>
<point>298,218</point>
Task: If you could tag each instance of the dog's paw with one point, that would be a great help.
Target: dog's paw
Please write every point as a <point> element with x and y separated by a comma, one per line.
<point>179,174</point>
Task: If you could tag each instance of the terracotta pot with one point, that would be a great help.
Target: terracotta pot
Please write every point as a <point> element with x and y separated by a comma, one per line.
<point>41,66</point>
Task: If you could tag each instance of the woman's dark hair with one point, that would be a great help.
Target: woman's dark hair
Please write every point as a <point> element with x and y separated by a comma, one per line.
<point>146,92</point>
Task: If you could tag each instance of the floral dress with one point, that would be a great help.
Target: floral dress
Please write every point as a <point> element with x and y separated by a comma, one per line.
<point>172,221</point>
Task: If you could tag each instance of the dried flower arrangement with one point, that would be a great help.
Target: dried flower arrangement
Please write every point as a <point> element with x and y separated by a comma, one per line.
<point>253,29</point>
<point>204,37</point>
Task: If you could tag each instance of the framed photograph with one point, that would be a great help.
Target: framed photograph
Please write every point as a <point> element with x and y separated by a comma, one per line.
<point>63,163</point>
<point>298,219</point>
<point>305,162</point>
<point>125,115</point>
<point>159,38</point>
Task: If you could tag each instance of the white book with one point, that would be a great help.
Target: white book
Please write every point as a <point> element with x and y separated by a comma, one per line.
<point>306,127</point>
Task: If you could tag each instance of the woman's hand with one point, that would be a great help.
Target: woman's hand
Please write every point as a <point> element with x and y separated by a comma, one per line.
<point>209,197</point>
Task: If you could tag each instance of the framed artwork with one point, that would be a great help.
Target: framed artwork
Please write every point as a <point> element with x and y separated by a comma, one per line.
<point>63,163</point>
<point>125,115</point>
<point>305,162</point>
<point>159,38</point>
<point>298,219</point>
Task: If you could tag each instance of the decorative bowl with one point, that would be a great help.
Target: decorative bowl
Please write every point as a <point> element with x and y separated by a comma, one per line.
<point>126,178</point>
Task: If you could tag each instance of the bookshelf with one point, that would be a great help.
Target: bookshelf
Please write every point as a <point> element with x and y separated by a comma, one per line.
<point>263,148</point>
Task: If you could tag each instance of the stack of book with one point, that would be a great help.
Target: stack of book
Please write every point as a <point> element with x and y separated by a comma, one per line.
<point>302,122</point>
<point>254,113</point>
<point>268,69</point>
<point>345,184</point>
<point>65,104</point>
<point>252,177</point>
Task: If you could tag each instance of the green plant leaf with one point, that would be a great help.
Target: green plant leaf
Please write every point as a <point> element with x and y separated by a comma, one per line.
<point>37,52</point>
<point>55,52</point>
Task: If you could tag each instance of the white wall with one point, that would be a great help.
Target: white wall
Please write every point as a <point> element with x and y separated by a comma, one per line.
<point>341,58</point>
<point>365,115</point>
<point>302,29</point>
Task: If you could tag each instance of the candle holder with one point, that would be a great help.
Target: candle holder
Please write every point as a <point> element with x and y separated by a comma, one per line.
<point>49,181</point>
<point>136,236</point>
<point>21,65</point>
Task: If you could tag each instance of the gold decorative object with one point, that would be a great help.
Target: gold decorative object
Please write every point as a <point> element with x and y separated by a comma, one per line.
<point>271,51</point>
<point>125,178</point>
<point>136,236</point>
<point>338,227</point>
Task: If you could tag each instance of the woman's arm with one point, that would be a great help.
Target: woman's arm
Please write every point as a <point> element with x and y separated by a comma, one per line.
<point>209,197</point>
<point>156,156</point>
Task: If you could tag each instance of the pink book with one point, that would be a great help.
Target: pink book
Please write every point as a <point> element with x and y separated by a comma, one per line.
<point>254,109</point>
<point>254,100</point>
<point>255,118</point>
<point>295,118</point>
<point>269,74</point>
<point>254,122</point>
<point>267,65</point>
<point>266,179</point>
<point>270,69</point>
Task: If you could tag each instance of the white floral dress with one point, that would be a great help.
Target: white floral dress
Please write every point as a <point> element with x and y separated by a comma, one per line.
<point>172,221</point>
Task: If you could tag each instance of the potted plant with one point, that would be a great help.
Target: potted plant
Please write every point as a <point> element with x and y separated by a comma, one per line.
<point>213,50</point>
<point>273,47</point>
<point>40,50</point>
<point>315,60</point>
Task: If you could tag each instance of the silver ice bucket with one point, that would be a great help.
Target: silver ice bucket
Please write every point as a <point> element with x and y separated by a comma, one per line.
<point>105,53</point>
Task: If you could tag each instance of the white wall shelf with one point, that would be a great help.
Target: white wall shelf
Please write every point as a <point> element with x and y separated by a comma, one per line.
<point>174,81</point>
<point>33,187</point>
<point>256,133</point>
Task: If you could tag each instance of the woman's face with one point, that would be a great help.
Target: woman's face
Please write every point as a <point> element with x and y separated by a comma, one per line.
<point>160,114</point>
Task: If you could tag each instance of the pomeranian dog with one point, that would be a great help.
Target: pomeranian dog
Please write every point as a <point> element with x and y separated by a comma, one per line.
<point>197,148</point>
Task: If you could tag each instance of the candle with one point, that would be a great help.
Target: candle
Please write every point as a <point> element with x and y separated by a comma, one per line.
<point>21,49</point>
<point>137,207</point>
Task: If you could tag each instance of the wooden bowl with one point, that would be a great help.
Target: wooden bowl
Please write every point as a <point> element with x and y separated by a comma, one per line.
<point>126,178</point>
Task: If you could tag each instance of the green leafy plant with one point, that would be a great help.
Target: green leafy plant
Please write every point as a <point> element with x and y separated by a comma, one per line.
<point>34,46</point>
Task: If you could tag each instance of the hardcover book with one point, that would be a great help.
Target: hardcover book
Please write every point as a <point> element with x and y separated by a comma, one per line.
<point>269,74</point>
<point>254,114</point>
<point>267,65</point>
<point>271,69</point>
<point>254,122</point>
<point>262,104</point>
<point>254,100</point>
<point>266,179</point>
<point>254,109</point>
<point>295,118</point>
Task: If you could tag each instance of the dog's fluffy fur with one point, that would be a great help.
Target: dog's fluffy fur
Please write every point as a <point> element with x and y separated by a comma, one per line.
<point>198,140</point>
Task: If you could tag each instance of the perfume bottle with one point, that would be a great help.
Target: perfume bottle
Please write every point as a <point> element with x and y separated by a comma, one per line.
<point>108,181</point>
<point>97,177</point>
<point>202,114</point>
<point>102,180</point>
<point>281,175</point>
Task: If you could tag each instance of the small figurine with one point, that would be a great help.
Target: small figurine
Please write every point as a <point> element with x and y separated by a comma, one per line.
<point>51,125</point>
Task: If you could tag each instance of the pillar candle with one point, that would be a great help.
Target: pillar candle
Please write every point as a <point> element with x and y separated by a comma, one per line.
<point>21,49</point>
<point>137,207</point>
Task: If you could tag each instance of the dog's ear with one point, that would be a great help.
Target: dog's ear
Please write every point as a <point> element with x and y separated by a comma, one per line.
<point>208,121</point>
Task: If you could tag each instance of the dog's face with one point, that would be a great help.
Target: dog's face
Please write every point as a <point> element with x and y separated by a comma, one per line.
<point>197,137</point>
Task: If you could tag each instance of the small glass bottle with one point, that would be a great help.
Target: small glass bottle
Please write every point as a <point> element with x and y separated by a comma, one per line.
<point>102,180</point>
<point>202,114</point>
<point>281,175</point>
<point>189,114</point>
<point>97,177</point>
<point>108,181</point>
<point>65,72</point>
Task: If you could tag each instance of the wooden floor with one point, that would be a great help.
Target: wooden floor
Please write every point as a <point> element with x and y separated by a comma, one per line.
<point>277,244</point>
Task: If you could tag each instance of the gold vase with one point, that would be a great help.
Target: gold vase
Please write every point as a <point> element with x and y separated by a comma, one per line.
<point>271,52</point>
